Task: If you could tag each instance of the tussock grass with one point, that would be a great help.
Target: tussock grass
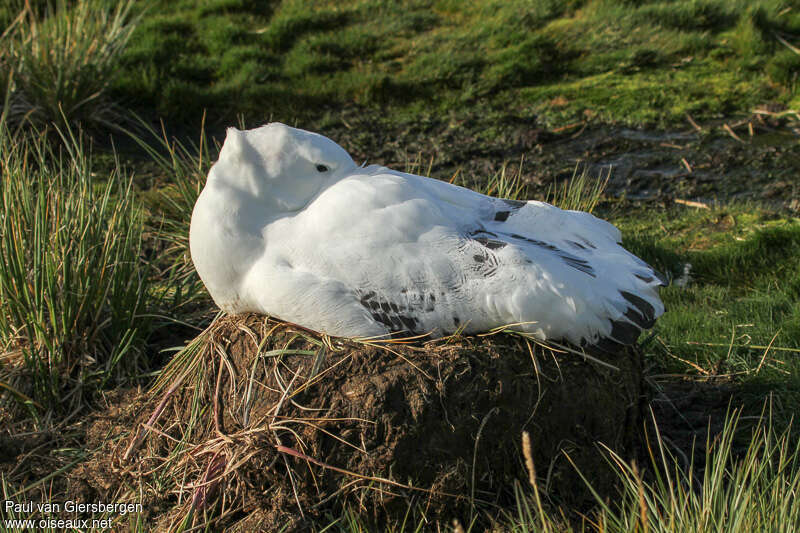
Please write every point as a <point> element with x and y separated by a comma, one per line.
<point>580,193</point>
<point>72,283</point>
<point>64,56</point>
<point>506,183</point>
<point>185,167</point>
<point>749,491</point>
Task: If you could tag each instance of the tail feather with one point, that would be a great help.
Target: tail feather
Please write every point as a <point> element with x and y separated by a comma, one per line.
<point>615,292</point>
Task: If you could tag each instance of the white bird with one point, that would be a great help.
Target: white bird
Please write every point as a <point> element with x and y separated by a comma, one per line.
<point>288,225</point>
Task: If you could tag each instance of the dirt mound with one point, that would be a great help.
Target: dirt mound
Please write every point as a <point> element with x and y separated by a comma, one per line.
<point>259,423</point>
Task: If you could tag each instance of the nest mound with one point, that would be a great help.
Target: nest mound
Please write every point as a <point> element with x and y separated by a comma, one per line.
<point>258,423</point>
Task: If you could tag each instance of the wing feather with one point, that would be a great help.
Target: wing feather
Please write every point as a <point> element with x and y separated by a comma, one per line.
<point>434,258</point>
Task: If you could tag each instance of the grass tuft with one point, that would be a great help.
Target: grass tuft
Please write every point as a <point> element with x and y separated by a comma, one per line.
<point>746,480</point>
<point>65,56</point>
<point>735,490</point>
<point>581,193</point>
<point>72,284</point>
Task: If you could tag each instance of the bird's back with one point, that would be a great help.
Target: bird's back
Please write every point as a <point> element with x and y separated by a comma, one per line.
<point>424,256</point>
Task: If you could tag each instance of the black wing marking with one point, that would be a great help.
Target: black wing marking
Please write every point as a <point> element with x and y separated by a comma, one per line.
<point>603,345</point>
<point>569,259</point>
<point>636,318</point>
<point>503,214</point>
<point>486,263</point>
<point>649,272</point>
<point>491,244</point>
<point>639,316</point>
<point>398,317</point>
<point>624,332</point>
<point>645,309</point>
<point>662,279</point>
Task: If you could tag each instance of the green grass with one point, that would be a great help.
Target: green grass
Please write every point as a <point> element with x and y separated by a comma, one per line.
<point>72,282</point>
<point>739,314</point>
<point>564,60</point>
<point>184,167</point>
<point>730,490</point>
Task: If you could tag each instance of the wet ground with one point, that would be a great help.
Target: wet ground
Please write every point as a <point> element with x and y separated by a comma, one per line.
<point>755,158</point>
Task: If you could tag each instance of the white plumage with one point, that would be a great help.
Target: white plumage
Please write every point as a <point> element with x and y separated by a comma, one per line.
<point>290,226</point>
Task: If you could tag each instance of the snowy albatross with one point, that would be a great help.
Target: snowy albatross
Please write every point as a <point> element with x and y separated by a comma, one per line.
<point>288,225</point>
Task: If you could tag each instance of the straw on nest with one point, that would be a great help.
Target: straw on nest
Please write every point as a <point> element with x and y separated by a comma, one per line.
<point>258,423</point>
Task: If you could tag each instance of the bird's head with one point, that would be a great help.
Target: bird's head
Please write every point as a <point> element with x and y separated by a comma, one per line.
<point>280,165</point>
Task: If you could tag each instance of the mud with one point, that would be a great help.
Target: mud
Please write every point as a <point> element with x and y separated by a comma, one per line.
<point>376,429</point>
<point>750,158</point>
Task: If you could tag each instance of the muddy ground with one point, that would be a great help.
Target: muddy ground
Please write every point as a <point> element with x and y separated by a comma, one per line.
<point>755,157</point>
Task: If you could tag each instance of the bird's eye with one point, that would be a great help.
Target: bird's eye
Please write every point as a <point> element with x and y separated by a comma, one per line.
<point>322,168</point>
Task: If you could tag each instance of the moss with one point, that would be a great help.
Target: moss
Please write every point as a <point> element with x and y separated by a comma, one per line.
<point>784,68</point>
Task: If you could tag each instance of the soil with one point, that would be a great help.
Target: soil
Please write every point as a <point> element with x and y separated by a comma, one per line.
<point>744,158</point>
<point>373,428</point>
<point>754,157</point>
